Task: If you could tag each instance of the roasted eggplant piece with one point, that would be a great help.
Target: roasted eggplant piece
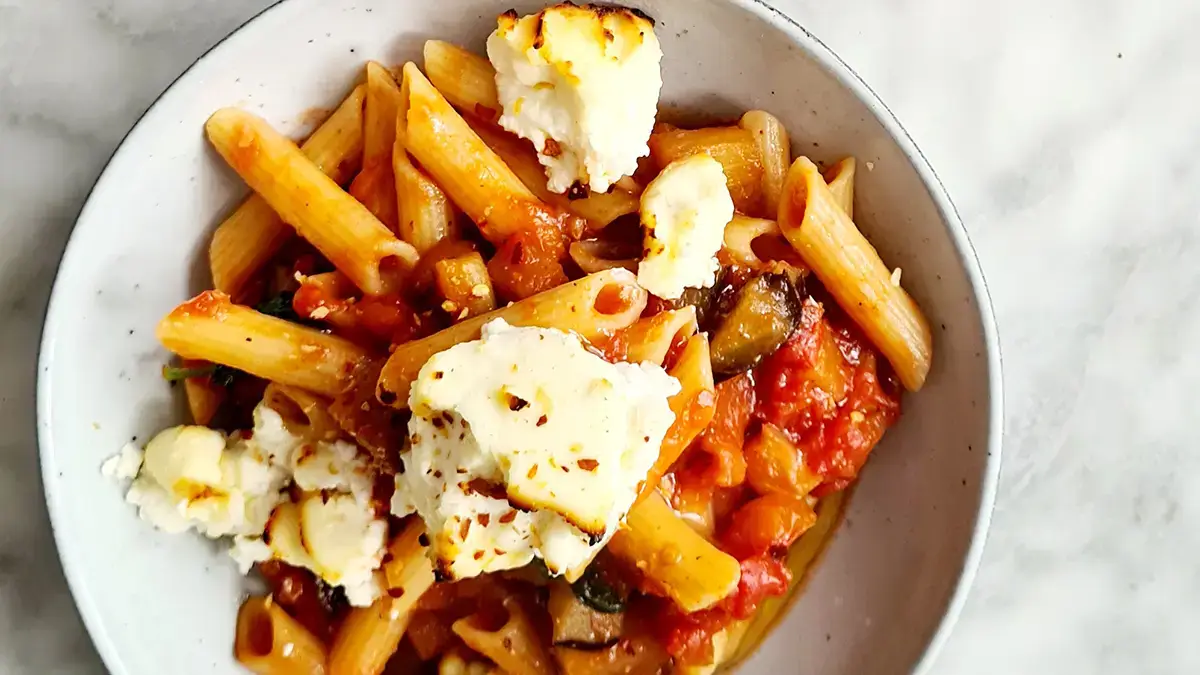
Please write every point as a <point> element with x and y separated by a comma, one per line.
<point>577,623</point>
<point>760,319</point>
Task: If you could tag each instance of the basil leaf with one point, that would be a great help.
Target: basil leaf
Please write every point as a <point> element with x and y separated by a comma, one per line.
<point>595,592</point>
<point>177,373</point>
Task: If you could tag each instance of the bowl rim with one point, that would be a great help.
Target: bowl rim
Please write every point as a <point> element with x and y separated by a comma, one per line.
<point>969,259</point>
<point>813,47</point>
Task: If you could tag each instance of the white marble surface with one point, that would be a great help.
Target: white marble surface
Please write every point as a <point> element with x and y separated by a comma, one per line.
<point>1067,132</point>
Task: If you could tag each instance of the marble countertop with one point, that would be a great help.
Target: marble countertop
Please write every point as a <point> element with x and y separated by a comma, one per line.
<point>1067,131</point>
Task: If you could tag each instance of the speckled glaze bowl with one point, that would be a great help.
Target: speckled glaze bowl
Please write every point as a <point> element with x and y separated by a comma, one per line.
<point>890,583</point>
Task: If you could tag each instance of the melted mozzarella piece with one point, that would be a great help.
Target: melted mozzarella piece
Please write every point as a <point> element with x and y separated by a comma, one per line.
<point>582,84</point>
<point>684,211</point>
<point>524,443</point>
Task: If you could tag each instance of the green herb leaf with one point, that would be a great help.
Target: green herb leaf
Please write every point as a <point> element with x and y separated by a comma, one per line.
<point>279,307</point>
<point>596,593</point>
<point>176,373</point>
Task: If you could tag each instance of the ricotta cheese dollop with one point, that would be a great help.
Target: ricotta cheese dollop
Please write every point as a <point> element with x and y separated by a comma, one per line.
<point>582,84</point>
<point>525,444</point>
<point>684,212</point>
<point>193,477</point>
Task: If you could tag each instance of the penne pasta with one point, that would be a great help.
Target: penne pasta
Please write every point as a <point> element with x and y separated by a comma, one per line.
<point>740,236</point>
<point>254,233</point>
<point>593,306</point>
<point>466,79</point>
<point>425,213</point>
<point>407,570</point>
<point>693,407</point>
<point>840,178</point>
<point>270,642</point>
<point>203,397</point>
<point>369,636</point>
<point>375,185</point>
<point>733,147</point>
<point>850,269</point>
<point>598,208</point>
<point>685,566</point>
<point>652,338</point>
<point>342,229</point>
<point>211,328</point>
<point>515,646</point>
<point>776,150</point>
<point>595,255</point>
<point>304,413</point>
<point>464,283</point>
<point>474,176</point>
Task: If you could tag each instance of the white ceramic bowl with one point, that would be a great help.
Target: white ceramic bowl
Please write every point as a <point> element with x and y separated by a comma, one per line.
<point>897,571</point>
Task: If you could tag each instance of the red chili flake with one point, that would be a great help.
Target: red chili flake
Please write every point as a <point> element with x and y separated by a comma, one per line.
<point>542,420</point>
<point>532,472</point>
<point>485,519</point>
<point>464,529</point>
<point>478,555</point>
<point>588,464</point>
<point>508,517</point>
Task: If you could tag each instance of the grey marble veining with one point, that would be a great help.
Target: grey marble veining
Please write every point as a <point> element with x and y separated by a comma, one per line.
<point>1066,130</point>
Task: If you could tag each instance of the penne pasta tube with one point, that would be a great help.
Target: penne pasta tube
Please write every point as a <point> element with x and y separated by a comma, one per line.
<point>211,328</point>
<point>693,406</point>
<point>366,639</point>
<point>466,79</point>
<point>850,269</point>
<point>203,397</point>
<point>368,636</point>
<point>740,234</point>
<point>651,339</point>
<point>464,283</point>
<point>375,185</point>
<point>840,178</point>
<point>733,147</point>
<point>595,255</point>
<point>305,414</point>
<point>474,176</point>
<point>598,208</point>
<point>776,150</point>
<point>425,213</point>
<point>594,306</point>
<point>408,570</point>
<point>254,233</point>
<point>516,646</point>
<point>341,228</point>
<point>270,642</point>
<point>685,566</point>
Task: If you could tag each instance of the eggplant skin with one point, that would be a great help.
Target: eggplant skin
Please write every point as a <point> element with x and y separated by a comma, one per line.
<point>760,320</point>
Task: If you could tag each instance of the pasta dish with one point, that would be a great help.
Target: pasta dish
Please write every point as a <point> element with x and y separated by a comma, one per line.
<point>503,372</point>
